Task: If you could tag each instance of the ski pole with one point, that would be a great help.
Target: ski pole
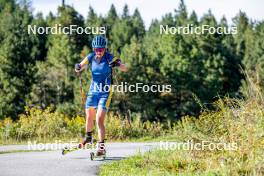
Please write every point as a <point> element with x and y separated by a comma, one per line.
<point>83,97</point>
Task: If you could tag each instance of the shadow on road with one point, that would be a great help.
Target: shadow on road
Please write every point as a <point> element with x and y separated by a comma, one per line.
<point>100,159</point>
<point>114,158</point>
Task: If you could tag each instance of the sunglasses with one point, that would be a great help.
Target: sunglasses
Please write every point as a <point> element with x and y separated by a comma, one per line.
<point>99,49</point>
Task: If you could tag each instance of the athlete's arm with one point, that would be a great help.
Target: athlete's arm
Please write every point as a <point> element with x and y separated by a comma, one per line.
<point>118,63</point>
<point>79,67</point>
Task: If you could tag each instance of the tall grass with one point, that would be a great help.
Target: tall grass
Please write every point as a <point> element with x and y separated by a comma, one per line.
<point>235,121</point>
<point>47,126</point>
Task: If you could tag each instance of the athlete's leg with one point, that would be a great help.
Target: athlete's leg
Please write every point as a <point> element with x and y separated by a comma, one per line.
<point>90,115</point>
<point>100,116</point>
<point>103,105</point>
<point>91,103</point>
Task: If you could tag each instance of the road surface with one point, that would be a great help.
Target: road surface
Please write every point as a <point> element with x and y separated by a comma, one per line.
<point>53,163</point>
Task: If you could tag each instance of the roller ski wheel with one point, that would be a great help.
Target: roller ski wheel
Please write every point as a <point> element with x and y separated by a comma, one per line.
<point>97,155</point>
<point>64,151</point>
<point>101,155</point>
<point>92,156</point>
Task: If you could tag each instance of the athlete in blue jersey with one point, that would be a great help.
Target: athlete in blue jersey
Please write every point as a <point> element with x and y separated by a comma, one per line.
<point>101,63</point>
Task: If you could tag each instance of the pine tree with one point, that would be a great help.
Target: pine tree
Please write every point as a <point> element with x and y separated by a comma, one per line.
<point>57,73</point>
<point>17,57</point>
<point>138,25</point>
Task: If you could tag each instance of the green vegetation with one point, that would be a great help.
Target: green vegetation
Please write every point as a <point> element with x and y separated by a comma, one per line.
<point>47,126</point>
<point>240,122</point>
<point>37,70</point>
<point>210,99</point>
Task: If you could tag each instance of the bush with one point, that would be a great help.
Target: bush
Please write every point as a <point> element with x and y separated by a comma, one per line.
<point>45,125</point>
<point>119,128</point>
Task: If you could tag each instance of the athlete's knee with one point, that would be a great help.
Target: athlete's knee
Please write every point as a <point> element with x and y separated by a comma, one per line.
<point>90,113</point>
<point>100,122</point>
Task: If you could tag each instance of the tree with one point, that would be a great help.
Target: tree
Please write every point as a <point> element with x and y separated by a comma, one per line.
<point>17,57</point>
<point>56,77</point>
<point>254,53</point>
<point>181,14</point>
<point>138,25</point>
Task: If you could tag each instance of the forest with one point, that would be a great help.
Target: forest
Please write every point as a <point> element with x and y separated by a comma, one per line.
<point>37,70</point>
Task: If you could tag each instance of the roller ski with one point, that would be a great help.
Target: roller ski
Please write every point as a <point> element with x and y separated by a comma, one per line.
<point>99,153</point>
<point>87,143</point>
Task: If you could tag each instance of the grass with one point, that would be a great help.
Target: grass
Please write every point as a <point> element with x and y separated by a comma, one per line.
<point>11,141</point>
<point>239,122</point>
<point>158,162</point>
<point>47,126</point>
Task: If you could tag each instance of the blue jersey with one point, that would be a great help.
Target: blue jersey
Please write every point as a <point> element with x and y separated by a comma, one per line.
<point>101,72</point>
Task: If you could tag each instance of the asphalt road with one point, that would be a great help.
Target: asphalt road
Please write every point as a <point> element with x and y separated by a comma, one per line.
<point>53,163</point>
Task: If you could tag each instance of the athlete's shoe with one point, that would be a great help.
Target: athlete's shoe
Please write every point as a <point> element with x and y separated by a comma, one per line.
<point>87,140</point>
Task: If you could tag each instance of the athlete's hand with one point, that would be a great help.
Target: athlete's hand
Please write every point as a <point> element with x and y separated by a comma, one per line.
<point>115,63</point>
<point>78,67</point>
